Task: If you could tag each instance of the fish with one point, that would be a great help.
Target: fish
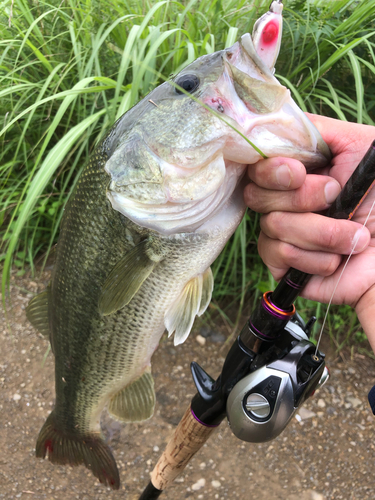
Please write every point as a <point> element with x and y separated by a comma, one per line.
<point>153,208</point>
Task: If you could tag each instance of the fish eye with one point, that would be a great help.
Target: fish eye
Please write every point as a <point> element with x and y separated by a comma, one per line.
<point>190,83</point>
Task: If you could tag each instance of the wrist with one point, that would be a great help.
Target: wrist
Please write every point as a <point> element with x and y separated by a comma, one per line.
<point>365,310</point>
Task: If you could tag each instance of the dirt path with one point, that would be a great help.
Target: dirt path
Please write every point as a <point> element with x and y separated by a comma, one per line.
<point>329,454</point>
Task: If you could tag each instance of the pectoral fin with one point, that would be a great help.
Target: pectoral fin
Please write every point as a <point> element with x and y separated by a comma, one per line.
<point>37,313</point>
<point>136,401</point>
<point>208,286</point>
<point>125,279</point>
<point>193,301</point>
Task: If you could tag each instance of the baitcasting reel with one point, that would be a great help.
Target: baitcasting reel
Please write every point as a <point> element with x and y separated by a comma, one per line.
<point>260,405</point>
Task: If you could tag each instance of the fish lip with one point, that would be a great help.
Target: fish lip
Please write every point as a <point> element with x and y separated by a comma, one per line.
<point>322,146</point>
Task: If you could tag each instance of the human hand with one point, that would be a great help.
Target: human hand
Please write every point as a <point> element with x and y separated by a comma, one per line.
<point>292,236</point>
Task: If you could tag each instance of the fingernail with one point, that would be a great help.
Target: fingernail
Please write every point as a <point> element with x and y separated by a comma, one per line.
<point>360,240</point>
<point>331,191</point>
<point>283,175</point>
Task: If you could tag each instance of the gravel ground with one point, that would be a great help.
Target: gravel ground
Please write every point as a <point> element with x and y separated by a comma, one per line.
<point>327,452</point>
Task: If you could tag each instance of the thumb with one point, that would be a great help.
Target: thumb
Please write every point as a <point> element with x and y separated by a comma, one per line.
<point>329,128</point>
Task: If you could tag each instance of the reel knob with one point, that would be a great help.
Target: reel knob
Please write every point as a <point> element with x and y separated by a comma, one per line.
<point>257,406</point>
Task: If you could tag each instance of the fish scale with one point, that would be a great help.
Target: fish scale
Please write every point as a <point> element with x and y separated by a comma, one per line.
<point>153,208</point>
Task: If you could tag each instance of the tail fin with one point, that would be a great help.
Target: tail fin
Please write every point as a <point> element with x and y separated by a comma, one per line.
<point>89,450</point>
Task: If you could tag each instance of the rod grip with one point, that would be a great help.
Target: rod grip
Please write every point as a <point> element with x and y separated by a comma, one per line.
<point>346,204</point>
<point>189,436</point>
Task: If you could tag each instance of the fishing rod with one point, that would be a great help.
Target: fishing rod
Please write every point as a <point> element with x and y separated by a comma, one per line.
<point>271,368</point>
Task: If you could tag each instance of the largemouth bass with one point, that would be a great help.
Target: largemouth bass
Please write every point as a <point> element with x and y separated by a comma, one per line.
<point>151,211</point>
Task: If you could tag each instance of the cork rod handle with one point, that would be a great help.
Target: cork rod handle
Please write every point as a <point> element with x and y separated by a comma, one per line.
<point>189,436</point>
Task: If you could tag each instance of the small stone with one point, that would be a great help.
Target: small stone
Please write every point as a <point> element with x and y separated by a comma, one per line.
<point>304,413</point>
<point>201,483</point>
<point>321,403</point>
<point>218,338</point>
<point>16,397</point>
<point>202,465</point>
<point>351,370</point>
<point>201,340</point>
<point>316,496</point>
<point>215,484</point>
<point>331,410</point>
<point>205,331</point>
<point>354,402</point>
<point>155,449</point>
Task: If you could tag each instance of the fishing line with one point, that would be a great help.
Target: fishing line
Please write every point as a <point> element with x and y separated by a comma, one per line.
<point>339,278</point>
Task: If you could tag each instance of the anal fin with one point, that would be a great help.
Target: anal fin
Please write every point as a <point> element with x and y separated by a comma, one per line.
<point>37,313</point>
<point>136,402</point>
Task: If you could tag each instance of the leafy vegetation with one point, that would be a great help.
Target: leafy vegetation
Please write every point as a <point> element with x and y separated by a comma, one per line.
<point>68,69</point>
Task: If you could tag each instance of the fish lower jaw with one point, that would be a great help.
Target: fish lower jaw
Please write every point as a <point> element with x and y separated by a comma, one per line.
<point>187,216</point>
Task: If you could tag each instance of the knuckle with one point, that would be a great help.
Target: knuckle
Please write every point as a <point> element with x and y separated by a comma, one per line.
<point>251,197</point>
<point>288,253</point>
<point>263,246</point>
<point>330,235</point>
<point>301,202</point>
<point>329,265</point>
<point>273,224</point>
<point>256,199</point>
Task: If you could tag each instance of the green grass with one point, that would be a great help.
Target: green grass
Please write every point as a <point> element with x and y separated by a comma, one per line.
<point>69,69</point>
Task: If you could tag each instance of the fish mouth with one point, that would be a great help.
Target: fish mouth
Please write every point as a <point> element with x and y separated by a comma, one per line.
<point>177,214</point>
<point>265,112</point>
